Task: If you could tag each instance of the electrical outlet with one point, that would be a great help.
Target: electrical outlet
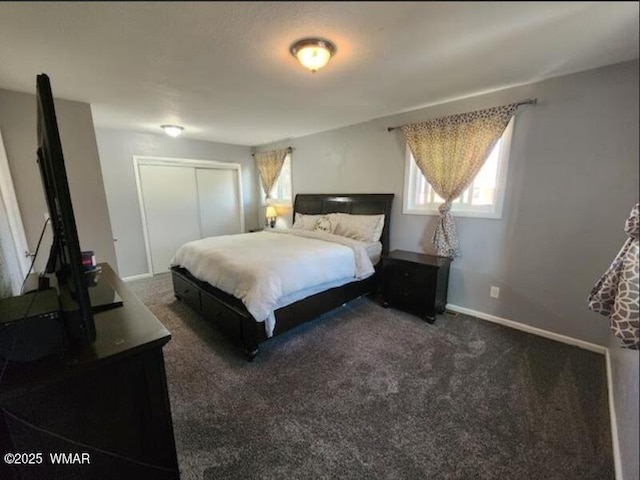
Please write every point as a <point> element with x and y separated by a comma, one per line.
<point>494,292</point>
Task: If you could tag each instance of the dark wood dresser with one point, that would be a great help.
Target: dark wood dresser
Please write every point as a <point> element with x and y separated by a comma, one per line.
<point>415,282</point>
<point>108,402</point>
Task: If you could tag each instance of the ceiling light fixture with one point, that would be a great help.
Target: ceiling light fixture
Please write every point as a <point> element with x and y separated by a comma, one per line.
<point>313,53</point>
<point>172,130</point>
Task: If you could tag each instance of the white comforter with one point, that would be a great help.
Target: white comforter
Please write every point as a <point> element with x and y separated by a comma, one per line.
<point>260,268</point>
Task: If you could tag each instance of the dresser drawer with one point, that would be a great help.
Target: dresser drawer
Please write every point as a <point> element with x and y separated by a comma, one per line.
<point>187,292</point>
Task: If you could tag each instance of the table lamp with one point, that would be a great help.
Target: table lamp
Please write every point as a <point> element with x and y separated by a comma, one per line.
<point>271,215</point>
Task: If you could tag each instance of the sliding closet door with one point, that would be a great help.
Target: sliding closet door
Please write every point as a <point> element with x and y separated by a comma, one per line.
<point>219,199</point>
<point>170,201</point>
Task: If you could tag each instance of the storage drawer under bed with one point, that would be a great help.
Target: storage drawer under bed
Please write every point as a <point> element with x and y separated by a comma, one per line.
<point>187,291</point>
<point>227,319</point>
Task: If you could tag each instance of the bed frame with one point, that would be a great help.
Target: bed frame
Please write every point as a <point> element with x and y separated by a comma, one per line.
<point>230,314</point>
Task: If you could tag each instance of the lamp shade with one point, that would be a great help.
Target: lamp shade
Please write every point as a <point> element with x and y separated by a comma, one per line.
<point>271,212</point>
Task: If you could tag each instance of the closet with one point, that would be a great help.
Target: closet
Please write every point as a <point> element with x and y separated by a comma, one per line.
<point>185,200</point>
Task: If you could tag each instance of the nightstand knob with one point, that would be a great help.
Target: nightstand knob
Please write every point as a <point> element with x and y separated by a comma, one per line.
<point>406,274</point>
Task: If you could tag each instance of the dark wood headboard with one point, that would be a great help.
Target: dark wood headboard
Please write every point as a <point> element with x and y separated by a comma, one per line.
<point>354,203</point>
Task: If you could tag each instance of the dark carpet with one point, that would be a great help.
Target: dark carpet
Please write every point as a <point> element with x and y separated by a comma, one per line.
<point>369,393</point>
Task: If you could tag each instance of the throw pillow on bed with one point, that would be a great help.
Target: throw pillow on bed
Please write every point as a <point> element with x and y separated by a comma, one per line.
<point>366,228</point>
<point>305,222</point>
<point>323,225</point>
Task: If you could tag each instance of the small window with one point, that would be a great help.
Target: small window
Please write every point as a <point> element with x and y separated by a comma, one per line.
<point>483,198</point>
<point>281,193</point>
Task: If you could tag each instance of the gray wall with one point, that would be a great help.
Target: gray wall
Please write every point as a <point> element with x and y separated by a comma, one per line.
<point>117,148</point>
<point>572,180</point>
<point>18,126</point>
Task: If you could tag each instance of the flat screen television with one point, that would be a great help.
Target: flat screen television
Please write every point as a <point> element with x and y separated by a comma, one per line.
<point>65,258</point>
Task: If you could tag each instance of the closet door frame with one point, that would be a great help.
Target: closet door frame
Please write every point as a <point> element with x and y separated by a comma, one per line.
<point>179,162</point>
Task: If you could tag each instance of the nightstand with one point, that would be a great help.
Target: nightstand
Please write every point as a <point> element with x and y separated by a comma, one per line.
<point>415,282</point>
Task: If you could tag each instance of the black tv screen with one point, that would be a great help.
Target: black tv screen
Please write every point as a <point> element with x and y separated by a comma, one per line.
<point>65,258</point>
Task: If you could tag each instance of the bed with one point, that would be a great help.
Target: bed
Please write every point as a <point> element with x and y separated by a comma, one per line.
<point>231,316</point>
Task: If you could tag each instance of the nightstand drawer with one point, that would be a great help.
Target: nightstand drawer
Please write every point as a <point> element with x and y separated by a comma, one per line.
<point>410,291</point>
<point>415,282</point>
<point>408,275</point>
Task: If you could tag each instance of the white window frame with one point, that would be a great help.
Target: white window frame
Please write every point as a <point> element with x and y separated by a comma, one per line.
<point>276,202</point>
<point>413,175</point>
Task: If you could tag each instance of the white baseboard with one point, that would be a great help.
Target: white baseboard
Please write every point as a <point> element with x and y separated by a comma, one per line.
<point>137,277</point>
<point>615,440</point>
<point>617,462</point>
<point>529,329</point>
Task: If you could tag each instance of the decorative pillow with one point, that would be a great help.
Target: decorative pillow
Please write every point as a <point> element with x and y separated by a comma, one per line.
<point>305,222</point>
<point>366,228</point>
<point>323,225</point>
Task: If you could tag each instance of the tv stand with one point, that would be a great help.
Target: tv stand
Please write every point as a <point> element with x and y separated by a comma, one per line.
<point>108,399</point>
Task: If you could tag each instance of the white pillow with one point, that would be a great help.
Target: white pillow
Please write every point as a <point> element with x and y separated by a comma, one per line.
<point>366,228</point>
<point>305,222</point>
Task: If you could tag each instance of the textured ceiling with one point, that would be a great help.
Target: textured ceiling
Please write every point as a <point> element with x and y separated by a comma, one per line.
<point>223,70</point>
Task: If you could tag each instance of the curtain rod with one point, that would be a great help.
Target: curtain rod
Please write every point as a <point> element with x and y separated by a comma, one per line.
<point>530,101</point>
<point>288,149</point>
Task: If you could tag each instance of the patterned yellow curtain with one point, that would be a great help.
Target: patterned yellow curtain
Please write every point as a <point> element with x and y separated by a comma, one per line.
<point>450,152</point>
<point>269,166</point>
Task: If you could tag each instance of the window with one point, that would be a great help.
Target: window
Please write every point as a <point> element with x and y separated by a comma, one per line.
<point>483,198</point>
<point>281,193</point>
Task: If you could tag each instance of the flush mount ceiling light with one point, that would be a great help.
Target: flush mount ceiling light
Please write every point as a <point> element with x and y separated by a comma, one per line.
<point>172,130</point>
<point>313,53</point>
